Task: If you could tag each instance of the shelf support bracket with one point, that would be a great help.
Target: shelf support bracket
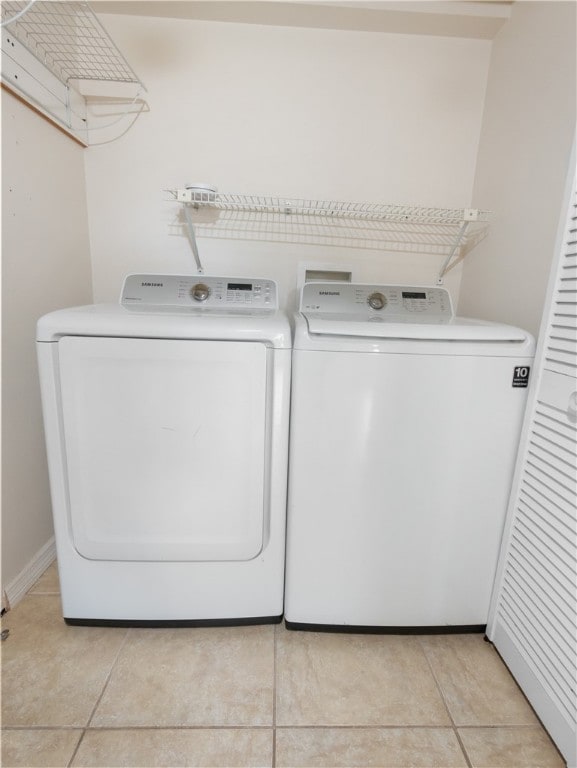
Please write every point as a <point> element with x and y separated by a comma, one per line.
<point>456,245</point>
<point>192,238</point>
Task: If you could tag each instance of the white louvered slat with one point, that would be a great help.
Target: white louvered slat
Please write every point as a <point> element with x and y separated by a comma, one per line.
<point>545,444</point>
<point>548,589</point>
<point>559,484</point>
<point>543,448</point>
<point>521,605</point>
<point>539,655</point>
<point>531,531</point>
<point>560,348</point>
<point>557,529</point>
<point>533,620</point>
<point>539,492</point>
<point>554,469</point>
<point>550,423</point>
<point>549,629</point>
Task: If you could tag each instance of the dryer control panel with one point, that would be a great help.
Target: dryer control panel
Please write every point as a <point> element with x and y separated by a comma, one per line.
<point>199,292</point>
<point>394,301</point>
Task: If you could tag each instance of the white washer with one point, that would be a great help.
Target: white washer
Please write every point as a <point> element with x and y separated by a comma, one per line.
<point>166,420</point>
<point>405,422</point>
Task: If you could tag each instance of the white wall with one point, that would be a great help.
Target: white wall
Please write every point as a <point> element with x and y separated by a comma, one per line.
<point>526,139</point>
<point>45,266</point>
<point>284,111</point>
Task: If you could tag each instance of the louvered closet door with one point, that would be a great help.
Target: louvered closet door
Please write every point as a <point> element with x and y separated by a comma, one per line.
<point>533,617</point>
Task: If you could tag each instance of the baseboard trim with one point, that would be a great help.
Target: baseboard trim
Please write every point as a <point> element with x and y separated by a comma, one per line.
<point>29,575</point>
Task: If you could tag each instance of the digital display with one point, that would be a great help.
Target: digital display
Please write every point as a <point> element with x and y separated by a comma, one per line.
<point>239,286</point>
<point>414,295</point>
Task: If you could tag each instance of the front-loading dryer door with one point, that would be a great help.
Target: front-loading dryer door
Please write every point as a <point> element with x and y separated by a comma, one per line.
<point>165,447</point>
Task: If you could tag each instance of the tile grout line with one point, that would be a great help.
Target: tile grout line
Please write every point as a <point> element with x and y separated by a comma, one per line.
<point>108,676</point>
<point>333,727</point>
<point>442,694</point>
<point>75,752</point>
<point>274,696</point>
<point>99,698</point>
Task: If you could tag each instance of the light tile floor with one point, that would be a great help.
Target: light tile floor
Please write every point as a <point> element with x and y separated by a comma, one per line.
<point>255,696</point>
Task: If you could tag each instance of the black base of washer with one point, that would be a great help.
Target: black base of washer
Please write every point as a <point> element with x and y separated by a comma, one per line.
<point>371,630</point>
<point>167,623</point>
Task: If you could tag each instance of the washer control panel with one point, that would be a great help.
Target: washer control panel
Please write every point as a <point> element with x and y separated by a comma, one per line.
<point>199,292</point>
<point>395,301</point>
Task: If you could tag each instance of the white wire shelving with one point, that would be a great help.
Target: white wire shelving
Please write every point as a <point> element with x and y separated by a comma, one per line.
<point>445,232</point>
<point>53,50</point>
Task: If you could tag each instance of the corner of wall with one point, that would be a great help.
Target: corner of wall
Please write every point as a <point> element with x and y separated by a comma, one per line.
<point>527,130</point>
<point>46,266</point>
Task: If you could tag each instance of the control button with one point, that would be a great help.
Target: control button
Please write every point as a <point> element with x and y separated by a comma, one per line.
<point>376,300</point>
<point>200,292</point>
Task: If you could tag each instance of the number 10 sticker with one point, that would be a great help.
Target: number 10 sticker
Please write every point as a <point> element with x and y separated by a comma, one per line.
<point>521,375</point>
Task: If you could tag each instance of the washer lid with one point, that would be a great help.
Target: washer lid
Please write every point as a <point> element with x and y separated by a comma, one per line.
<point>370,311</point>
<point>392,327</point>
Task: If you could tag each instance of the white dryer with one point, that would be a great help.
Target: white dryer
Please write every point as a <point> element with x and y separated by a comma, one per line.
<point>166,420</point>
<point>405,422</point>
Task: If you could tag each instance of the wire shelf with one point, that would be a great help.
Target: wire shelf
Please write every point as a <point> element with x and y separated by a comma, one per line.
<point>326,208</point>
<point>446,232</point>
<point>68,39</point>
<point>371,236</point>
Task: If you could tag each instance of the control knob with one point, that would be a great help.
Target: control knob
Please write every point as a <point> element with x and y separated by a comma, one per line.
<point>376,300</point>
<point>200,292</point>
